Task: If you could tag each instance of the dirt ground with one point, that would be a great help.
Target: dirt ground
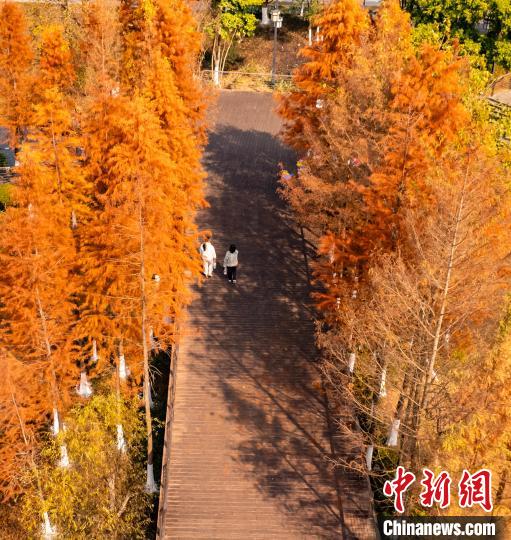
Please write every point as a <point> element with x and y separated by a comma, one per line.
<point>256,53</point>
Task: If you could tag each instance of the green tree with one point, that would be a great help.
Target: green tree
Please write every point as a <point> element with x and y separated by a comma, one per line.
<point>232,21</point>
<point>482,26</point>
<point>102,494</point>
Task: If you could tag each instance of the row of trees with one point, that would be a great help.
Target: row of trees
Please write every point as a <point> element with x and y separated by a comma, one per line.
<point>98,249</point>
<point>405,183</point>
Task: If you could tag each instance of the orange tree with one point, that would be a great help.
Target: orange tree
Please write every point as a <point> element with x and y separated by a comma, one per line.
<point>144,160</point>
<point>16,57</point>
<point>37,243</point>
<point>401,185</point>
<point>343,26</point>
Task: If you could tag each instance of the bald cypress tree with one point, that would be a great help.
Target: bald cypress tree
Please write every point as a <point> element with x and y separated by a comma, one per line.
<point>16,57</point>
<point>144,161</point>
<point>38,245</point>
<point>343,25</point>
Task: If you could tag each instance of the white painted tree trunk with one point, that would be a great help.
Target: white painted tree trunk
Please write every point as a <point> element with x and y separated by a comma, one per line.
<point>95,356</point>
<point>216,75</point>
<point>49,532</point>
<point>56,422</point>
<point>369,457</point>
<point>317,33</point>
<point>121,443</point>
<point>394,432</point>
<point>264,18</point>
<point>310,36</point>
<point>150,485</point>
<point>74,221</point>
<point>302,8</point>
<point>123,370</point>
<point>351,362</point>
<point>85,388</point>
<point>64,458</point>
<point>151,402</point>
<point>383,381</point>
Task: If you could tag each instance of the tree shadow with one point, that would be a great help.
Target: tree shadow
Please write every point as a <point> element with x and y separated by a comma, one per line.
<point>259,334</point>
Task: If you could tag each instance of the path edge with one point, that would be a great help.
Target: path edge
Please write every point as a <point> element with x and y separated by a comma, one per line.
<point>167,440</point>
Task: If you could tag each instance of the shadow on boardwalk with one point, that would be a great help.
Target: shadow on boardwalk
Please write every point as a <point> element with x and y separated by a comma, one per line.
<point>251,454</point>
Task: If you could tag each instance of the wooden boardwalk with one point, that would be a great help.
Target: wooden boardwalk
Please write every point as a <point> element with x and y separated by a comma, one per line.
<point>250,450</point>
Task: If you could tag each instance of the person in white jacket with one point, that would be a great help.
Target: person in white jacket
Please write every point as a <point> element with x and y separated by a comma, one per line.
<point>231,263</point>
<point>208,255</point>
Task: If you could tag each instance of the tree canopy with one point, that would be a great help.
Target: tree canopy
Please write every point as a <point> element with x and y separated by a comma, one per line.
<point>482,26</point>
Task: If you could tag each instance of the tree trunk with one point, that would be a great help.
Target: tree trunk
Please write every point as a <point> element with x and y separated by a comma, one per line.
<point>150,483</point>
<point>396,421</point>
<point>422,394</point>
<point>501,488</point>
<point>56,157</point>
<point>49,356</point>
<point>445,291</point>
<point>48,529</point>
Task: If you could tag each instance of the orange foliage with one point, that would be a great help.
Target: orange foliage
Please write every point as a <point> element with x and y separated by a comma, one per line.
<point>344,143</point>
<point>55,67</point>
<point>37,244</point>
<point>180,43</point>
<point>342,25</point>
<point>87,235</point>
<point>142,227</point>
<point>166,159</point>
<point>55,141</point>
<point>133,38</point>
<point>37,254</point>
<point>138,176</point>
<point>101,46</point>
<point>15,60</point>
<point>425,114</point>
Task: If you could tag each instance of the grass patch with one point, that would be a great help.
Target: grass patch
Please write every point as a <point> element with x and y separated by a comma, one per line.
<point>5,195</point>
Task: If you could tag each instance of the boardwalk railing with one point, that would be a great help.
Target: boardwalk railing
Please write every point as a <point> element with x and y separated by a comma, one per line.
<point>169,417</point>
<point>5,174</point>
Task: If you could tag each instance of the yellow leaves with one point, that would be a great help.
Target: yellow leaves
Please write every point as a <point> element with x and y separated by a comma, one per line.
<point>149,9</point>
<point>86,500</point>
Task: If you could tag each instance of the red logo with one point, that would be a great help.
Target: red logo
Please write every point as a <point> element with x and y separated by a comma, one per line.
<point>473,489</point>
<point>476,489</point>
<point>402,481</point>
<point>435,489</point>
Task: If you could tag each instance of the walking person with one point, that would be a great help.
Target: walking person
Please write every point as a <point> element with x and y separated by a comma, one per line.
<point>231,263</point>
<point>208,255</point>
